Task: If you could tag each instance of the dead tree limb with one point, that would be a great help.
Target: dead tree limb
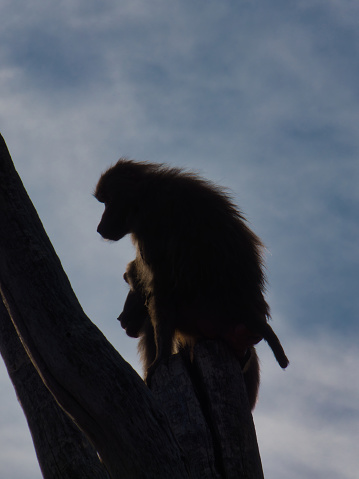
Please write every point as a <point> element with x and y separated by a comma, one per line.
<point>138,433</point>
<point>61,448</point>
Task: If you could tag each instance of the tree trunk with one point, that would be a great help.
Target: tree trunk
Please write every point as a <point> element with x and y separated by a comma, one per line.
<point>176,431</point>
<point>63,451</point>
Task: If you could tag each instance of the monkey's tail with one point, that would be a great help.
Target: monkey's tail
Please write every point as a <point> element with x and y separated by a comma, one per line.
<point>275,345</point>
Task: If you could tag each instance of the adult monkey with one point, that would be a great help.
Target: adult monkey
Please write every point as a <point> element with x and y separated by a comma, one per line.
<point>198,270</point>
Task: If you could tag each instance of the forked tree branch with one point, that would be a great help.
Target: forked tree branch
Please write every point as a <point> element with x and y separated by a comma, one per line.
<point>171,432</point>
<point>62,449</point>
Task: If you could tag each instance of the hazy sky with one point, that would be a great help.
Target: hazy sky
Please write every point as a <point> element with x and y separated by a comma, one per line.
<point>261,97</point>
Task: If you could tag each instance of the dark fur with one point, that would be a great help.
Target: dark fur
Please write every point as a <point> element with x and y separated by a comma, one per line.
<point>198,270</point>
<point>136,321</point>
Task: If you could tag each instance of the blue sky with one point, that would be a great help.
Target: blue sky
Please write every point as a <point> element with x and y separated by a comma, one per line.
<point>260,97</point>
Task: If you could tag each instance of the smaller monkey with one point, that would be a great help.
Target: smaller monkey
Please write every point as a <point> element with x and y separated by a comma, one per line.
<point>198,270</point>
<point>136,321</point>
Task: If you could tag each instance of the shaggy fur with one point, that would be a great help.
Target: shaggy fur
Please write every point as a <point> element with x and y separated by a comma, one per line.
<point>198,270</point>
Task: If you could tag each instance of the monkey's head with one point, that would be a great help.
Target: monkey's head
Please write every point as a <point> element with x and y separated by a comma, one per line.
<point>121,189</point>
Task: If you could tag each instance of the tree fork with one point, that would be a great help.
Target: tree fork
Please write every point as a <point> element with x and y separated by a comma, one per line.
<point>137,433</point>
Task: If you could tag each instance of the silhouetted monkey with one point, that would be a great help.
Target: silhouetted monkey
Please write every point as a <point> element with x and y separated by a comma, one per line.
<point>198,270</point>
<point>136,321</point>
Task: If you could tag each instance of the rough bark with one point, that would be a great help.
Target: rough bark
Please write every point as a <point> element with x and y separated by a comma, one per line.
<point>174,431</point>
<point>63,451</point>
<point>207,404</point>
<point>88,377</point>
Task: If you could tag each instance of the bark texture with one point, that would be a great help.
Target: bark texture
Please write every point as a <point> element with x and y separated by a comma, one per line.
<point>195,422</point>
<point>63,451</point>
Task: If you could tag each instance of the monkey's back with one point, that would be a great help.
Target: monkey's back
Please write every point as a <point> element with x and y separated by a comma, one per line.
<point>199,259</point>
<point>198,244</point>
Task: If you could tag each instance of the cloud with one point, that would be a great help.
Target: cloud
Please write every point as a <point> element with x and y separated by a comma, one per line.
<point>310,411</point>
<point>261,98</point>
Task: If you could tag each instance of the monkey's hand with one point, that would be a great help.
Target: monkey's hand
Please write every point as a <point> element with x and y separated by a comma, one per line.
<point>242,341</point>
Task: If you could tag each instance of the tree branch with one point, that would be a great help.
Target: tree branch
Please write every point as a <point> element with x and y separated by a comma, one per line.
<point>62,449</point>
<point>196,421</point>
<point>89,379</point>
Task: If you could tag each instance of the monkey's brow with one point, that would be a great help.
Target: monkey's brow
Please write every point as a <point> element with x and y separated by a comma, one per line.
<point>99,197</point>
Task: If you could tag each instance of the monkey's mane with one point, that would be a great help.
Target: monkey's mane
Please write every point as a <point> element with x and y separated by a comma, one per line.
<point>194,248</point>
<point>191,217</point>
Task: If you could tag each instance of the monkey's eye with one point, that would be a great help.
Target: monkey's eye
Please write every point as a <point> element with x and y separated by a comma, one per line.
<point>103,199</point>
<point>100,198</point>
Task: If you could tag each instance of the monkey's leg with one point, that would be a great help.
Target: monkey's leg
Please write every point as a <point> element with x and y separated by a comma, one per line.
<point>147,345</point>
<point>162,319</point>
<point>251,376</point>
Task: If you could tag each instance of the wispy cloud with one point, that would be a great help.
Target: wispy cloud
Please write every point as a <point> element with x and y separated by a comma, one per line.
<point>260,97</point>
<point>307,421</point>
